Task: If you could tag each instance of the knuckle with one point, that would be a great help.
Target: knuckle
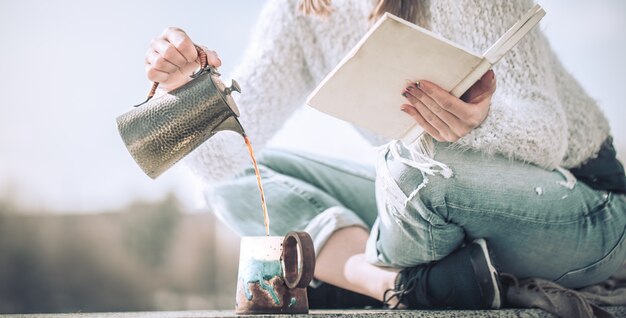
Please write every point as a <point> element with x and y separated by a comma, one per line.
<point>417,118</point>
<point>171,29</point>
<point>159,63</point>
<point>170,53</point>
<point>447,104</point>
<point>429,118</point>
<point>437,110</point>
<point>187,49</point>
<point>472,122</point>
<point>185,42</point>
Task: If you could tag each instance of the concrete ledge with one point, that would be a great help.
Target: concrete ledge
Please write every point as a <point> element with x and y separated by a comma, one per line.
<point>504,313</point>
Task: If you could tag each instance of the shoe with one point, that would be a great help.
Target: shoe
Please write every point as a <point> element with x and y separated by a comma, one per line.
<point>551,297</point>
<point>465,279</point>
<point>327,296</point>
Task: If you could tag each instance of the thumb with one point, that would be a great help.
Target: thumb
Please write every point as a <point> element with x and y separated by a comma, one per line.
<point>489,80</point>
<point>212,56</point>
<point>484,87</point>
<point>486,84</point>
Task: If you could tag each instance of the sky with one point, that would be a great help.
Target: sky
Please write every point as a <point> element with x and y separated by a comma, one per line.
<point>69,68</point>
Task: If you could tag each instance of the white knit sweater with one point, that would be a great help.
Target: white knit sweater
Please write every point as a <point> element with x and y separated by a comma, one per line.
<point>539,113</point>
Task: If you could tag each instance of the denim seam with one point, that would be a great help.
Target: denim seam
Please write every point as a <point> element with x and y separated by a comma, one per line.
<point>605,203</point>
<point>434,214</point>
<point>599,261</point>
<point>433,242</point>
<point>527,219</point>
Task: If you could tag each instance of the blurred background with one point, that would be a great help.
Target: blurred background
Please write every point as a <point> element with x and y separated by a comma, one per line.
<point>83,229</point>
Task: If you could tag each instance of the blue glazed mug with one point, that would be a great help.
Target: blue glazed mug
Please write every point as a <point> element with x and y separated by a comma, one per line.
<point>274,272</point>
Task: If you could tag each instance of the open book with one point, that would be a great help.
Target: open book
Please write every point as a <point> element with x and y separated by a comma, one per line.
<point>365,87</point>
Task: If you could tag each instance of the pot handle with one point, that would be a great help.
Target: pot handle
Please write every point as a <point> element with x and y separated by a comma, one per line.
<point>298,259</point>
<point>204,61</point>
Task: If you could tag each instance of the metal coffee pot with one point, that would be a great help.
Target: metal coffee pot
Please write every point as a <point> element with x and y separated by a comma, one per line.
<point>164,129</point>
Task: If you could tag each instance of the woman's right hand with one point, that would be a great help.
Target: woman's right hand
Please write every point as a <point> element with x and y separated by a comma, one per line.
<point>172,58</point>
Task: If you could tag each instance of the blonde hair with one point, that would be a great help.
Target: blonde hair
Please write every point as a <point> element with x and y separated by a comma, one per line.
<point>406,9</point>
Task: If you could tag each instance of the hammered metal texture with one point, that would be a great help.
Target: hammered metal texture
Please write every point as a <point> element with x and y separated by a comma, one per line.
<point>167,128</point>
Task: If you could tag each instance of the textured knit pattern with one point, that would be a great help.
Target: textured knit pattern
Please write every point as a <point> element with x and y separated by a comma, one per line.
<point>539,113</point>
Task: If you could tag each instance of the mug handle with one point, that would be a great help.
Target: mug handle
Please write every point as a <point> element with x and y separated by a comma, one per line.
<point>298,263</point>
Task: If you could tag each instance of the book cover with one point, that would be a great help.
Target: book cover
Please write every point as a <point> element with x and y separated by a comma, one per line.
<point>365,87</point>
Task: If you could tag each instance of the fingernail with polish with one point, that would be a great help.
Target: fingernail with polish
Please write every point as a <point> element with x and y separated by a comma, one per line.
<point>405,94</point>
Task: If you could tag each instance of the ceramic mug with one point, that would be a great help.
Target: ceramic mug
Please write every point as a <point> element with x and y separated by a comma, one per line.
<point>274,272</point>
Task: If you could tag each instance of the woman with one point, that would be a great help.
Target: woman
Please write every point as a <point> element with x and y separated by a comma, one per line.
<point>414,233</point>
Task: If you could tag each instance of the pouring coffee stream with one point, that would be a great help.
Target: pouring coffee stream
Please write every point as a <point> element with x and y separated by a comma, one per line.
<point>274,271</point>
<point>266,219</point>
<point>161,131</point>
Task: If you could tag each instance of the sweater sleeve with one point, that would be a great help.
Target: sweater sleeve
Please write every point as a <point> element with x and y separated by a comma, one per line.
<point>526,120</point>
<point>273,79</point>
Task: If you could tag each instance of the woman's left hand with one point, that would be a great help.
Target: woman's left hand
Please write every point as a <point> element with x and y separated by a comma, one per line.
<point>444,116</point>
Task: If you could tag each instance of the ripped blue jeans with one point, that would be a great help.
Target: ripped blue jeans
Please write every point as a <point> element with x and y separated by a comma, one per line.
<point>535,226</point>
